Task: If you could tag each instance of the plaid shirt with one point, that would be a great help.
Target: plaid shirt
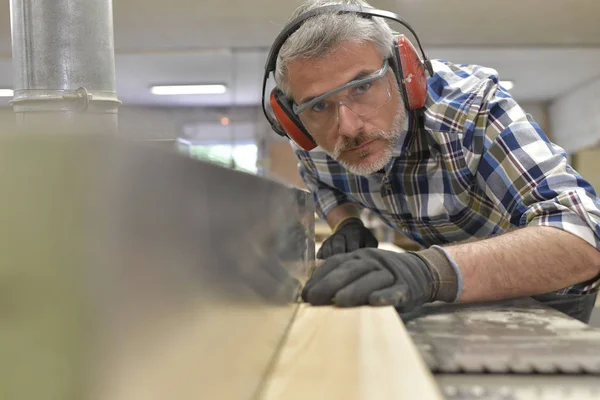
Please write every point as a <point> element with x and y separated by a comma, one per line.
<point>480,167</point>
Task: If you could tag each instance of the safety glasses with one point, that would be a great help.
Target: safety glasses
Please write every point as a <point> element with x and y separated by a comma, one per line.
<point>363,96</point>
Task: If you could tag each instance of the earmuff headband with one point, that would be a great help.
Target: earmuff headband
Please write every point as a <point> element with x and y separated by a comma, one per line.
<point>295,24</point>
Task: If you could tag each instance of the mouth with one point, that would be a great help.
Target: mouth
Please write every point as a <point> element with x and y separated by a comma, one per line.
<point>360,148</point>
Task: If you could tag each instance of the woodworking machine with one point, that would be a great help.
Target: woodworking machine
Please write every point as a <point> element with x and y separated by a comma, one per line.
<point>133,272</point>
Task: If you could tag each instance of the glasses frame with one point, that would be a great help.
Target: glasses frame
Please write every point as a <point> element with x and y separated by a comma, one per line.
<point>370,78</point>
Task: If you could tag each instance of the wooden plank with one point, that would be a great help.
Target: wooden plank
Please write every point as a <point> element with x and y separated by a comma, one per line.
<point>349,353</point>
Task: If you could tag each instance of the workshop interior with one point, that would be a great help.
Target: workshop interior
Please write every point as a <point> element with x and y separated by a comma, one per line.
<point>157,232</point>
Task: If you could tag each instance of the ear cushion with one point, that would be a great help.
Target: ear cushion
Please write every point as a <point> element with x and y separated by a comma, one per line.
<point>289,121</point>
<point>415,79</point>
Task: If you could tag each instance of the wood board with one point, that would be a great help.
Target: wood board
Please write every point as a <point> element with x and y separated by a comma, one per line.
<point>349,353</point>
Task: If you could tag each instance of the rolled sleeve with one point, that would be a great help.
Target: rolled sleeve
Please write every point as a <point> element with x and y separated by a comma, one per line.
<point>326,196</point>
<point>530,178</point>
<point>572,211</point>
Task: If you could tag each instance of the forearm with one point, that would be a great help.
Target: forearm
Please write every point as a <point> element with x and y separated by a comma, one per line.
<point>341,212</point>
<point>524,262</point>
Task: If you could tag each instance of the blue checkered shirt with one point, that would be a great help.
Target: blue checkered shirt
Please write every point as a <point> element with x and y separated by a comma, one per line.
<point>481,167</point>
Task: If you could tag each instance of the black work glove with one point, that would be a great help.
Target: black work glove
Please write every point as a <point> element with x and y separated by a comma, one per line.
<point>380,277</point>
<point>350,235</point>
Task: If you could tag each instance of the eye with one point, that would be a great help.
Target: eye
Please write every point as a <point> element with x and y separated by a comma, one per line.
<point>319,107</point>
<point>362,89</point>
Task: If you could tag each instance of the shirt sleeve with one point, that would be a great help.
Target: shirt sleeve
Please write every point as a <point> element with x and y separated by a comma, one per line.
<point>530,177</point>
<point>326,196</point>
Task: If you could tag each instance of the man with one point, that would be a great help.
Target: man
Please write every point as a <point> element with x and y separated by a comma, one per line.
<point>467,174</point>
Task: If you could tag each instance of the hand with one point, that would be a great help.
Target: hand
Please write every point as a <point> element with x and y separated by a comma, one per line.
<point>350,235</point>
<point>383,278</point>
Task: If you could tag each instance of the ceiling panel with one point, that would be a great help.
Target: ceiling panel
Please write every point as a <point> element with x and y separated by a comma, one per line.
<point>540,74</point>
<point>190,41</point>
<point>508,22</point>
<point>241,71</point>
<point>241,23</point>
<point>137,73</point>
<point>150,25</point>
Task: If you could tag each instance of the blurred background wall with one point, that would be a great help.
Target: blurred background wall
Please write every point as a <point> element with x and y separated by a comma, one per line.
<point>548,49</point>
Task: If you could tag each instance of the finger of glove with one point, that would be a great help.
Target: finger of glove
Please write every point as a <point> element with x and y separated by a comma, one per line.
<point>354,241</point>
<point>338,245</point>
<point>326,267</point>
<point>396,295</point>
<point>357,293</point>
<point>370,240</point>
<point>332,263</point>
<point>323,291</point>
<point>325,250</point>
<point>335,244</point>
<point>320,252</point>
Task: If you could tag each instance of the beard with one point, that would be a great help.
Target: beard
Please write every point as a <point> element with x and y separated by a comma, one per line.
<point>369,165</point>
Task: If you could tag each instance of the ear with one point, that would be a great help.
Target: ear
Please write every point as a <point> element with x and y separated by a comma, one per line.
<point>289,121</point>
<point>414,77</point>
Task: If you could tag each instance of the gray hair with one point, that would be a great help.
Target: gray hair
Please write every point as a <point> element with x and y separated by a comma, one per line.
<point>323,33</point>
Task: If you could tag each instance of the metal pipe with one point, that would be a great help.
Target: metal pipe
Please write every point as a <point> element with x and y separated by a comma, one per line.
<point>64,65</point>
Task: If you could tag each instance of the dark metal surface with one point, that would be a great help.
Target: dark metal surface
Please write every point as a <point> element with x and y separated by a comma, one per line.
<point>519,387</point>
<point>129,272</point>
<point>517,336</point>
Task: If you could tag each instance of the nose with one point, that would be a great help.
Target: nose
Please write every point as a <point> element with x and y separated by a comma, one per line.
<point>349,123</point>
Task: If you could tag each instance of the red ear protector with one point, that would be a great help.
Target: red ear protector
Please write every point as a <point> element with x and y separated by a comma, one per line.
<point>405,62</point>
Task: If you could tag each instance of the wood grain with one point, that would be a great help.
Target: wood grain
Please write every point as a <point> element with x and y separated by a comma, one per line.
<point>352,353</point>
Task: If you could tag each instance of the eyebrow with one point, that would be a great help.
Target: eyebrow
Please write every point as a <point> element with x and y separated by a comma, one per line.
<point>361,74</point>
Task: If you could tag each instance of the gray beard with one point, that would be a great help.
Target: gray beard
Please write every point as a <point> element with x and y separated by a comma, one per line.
<point>390,137</point>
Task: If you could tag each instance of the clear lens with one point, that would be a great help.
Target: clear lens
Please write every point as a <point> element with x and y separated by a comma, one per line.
<point>363,98</point>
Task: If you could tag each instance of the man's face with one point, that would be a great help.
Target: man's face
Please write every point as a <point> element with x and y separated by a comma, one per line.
<point>361,143</point>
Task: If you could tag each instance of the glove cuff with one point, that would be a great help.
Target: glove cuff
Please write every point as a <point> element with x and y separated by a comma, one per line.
<point>445,279</point>
<point>346,221</point>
